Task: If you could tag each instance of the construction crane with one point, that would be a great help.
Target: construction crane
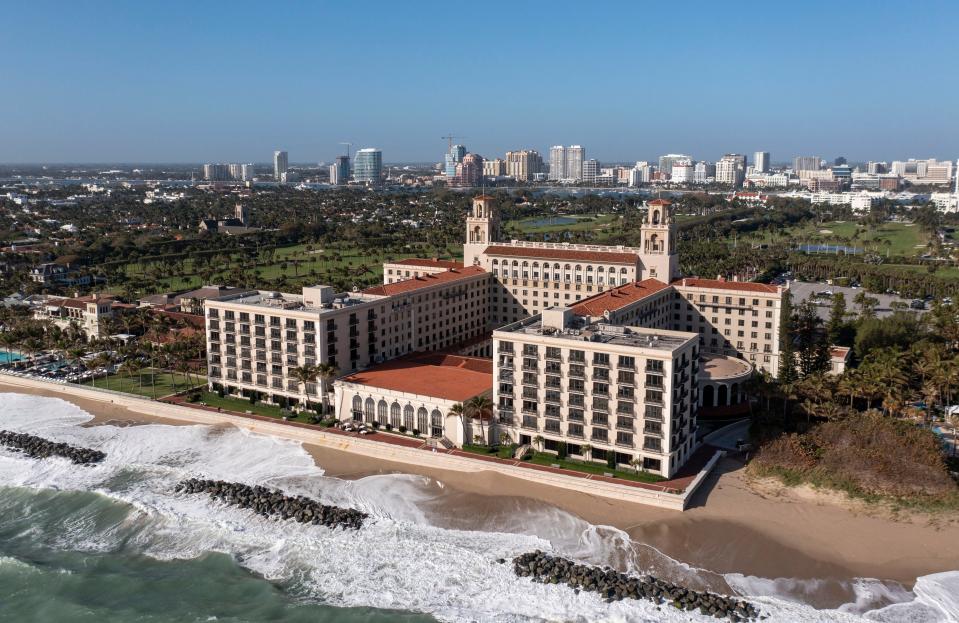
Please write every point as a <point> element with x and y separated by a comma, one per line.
<point>449,138</point>
<point>348,147</point>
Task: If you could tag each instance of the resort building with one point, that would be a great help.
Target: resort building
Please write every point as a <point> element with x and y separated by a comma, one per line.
<point>605,349</point>
<point>256,339</point>
<point>733,318</point>
<point>90,314</point>
<point>623,394</point>
<point>417,394</point>
<point>410,268</point>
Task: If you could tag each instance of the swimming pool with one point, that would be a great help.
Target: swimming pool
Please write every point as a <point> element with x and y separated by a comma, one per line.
<point>6,357</point>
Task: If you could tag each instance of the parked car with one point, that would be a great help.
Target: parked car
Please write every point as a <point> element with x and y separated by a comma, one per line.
<point>917,304</point>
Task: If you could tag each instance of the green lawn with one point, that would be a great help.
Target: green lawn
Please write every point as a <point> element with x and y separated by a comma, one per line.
<point>600,225</point>
<point>887,238</point>
<point>240,405</point>
<point>548,460</point>
<point>145,383</point>
<point>296,262</point>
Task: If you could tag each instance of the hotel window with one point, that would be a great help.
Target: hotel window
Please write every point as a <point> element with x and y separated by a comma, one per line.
<point>575,430</point>
<point>624,438</point>
<point>600,434</point>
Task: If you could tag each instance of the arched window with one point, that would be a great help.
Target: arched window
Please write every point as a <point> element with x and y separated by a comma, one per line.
<point>408,417</point>
<point>525,269</point>
<point>436,423</point>
<point>370,405</point>
<point>357,407</point>
<point>567,273</point>
<point>578,272</point>
<point>589,274</point>
<point>381,412</point>
<point>535,270</point>
<point>515,270</point>
<point>655,219</point>
<point>395,415</point>
<point>422,421</point>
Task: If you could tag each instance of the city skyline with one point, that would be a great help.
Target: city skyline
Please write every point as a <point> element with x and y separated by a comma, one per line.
<point>131,85</point>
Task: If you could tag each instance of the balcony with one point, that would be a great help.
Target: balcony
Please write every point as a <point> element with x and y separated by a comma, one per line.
<point>530,423</point>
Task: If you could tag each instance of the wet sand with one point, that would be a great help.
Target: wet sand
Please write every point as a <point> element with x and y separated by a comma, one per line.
<point>733,525</point>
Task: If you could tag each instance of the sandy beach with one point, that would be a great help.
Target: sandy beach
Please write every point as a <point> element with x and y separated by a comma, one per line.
<point>733,525</point>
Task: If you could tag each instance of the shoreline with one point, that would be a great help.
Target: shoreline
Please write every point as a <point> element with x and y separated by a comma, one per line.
<point>732,525</point>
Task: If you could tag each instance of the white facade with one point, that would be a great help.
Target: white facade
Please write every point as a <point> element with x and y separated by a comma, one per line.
<point>281,162</point>
<point>683,172</point>
<point>628,393</point>
<point>761,162</point>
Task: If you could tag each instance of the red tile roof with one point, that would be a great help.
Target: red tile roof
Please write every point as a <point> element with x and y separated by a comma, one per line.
<point>482,197</point>
<point>425,281</point>
<point>722,284</point>
<point>449,377</point>
<point>573,255</point>
<point>839,352</point>
<point>431,263</point>
<point>659,202</point>
<point>618,297</point>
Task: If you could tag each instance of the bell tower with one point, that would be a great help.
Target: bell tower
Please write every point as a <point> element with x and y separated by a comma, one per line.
<point>660,260</point>
<point>482,229</point>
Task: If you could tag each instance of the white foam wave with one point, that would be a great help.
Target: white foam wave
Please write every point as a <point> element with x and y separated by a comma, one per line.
<point>403,558</point>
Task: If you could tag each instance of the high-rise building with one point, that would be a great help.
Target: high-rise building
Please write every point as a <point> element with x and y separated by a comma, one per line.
<point>682,172</point>
<point>666,162</point>
<point>761,162</point>
<point>840,161</point>
<point>557,162</point>
<point>524,164</point>
<point>246,172</point>
<point>704,172</point>
<point>368,166</point>
<point>281,162</point>
<point>575,156</point>
<point>590,170</point>
<point>806,163</point>
<point>875,168</point>
<point>340,170</point>
<point>469,172</point>
<point>453,157</point>
<point>495,167</point>
<point>731,169</point>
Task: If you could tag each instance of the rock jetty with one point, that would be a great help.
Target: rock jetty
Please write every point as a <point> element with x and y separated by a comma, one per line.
<point>40,448</point>
<point>275,504</point>
<point>615,586</point>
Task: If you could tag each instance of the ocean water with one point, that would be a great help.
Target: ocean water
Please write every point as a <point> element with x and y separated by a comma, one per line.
<point>113,542</point>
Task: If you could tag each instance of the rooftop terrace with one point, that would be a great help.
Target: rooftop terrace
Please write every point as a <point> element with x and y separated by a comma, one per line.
<point>575,329</point>
<point>317,299</point>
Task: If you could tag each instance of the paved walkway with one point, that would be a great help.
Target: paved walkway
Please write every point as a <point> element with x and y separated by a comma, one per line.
<point>677,484</point>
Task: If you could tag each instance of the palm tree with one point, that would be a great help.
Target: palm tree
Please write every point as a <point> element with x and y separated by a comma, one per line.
<point>481,408</point>
<point>304,374</point>
<point>459,411</point>
<point>587,451</point>
<point>104,360</point>
<point>325,372</point>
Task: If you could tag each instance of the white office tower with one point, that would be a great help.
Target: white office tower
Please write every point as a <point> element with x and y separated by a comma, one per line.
<point>590,170</point>
<point>368,166</point>
<point>281,162</point>
<point>575,156</point>
<point>557,162</point>
<point>761,162</point>
<point>666,162</point>
<point>731,169</point>
<point>682,172</point>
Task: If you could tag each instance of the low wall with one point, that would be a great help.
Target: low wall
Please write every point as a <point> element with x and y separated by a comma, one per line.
<point>369,447</point>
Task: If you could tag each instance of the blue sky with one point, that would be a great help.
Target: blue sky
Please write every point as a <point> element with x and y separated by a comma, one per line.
<point>217,81</point>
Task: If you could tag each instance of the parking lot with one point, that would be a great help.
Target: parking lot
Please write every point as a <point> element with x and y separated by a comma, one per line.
<point>802,291</point>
